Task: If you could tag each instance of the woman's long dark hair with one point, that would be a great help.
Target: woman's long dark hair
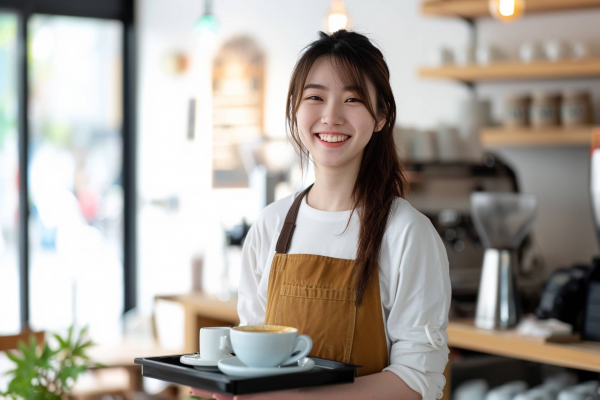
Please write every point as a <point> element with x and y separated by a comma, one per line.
<point>380,177</point>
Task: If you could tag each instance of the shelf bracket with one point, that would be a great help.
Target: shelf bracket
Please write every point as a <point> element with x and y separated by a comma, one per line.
<point>472,24</point>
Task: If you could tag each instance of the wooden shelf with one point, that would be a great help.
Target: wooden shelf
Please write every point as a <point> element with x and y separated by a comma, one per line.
<point>515,70</point>
<point>581,355</point>
<point>479,8</point>
<point>530,137</point>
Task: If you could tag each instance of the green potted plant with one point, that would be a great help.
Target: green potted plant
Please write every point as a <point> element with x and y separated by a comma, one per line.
<point>46,372</point>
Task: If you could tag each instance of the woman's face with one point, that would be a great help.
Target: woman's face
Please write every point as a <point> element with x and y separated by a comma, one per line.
<point>334,124</point>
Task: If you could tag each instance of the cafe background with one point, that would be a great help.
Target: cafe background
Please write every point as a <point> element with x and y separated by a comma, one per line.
<point>148,136</point>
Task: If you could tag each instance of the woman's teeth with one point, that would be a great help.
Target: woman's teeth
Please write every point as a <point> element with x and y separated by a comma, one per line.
<point>333,138</point>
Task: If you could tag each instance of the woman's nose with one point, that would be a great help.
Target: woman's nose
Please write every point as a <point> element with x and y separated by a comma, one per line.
<point>332,115</point>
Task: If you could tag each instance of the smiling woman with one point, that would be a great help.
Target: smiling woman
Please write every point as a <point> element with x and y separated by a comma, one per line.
<point>348,261</point>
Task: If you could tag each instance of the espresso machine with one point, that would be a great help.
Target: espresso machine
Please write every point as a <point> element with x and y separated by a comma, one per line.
<point>442,192</point>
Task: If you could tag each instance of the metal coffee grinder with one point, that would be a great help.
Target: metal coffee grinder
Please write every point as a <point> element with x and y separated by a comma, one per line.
<point>502,221</point>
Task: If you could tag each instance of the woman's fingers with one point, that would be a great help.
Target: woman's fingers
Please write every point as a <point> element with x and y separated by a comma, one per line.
<point>209,394</point>
<point>201,392</point>
<point>220,396</point>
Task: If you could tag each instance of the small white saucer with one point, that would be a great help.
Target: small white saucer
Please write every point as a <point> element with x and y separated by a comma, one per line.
<point>196,361</point>
<point>234,367</point>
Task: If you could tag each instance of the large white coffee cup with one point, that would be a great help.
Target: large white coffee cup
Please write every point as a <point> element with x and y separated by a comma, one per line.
<point>269,345</point>
<point>214,343</point>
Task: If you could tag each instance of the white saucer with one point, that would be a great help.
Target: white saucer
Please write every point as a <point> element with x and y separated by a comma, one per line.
<point>207,369</point>
<point>234,367</point>
<point>196,361</point>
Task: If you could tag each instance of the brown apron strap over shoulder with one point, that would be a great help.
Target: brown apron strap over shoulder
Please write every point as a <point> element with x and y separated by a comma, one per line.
<point>285,237</point>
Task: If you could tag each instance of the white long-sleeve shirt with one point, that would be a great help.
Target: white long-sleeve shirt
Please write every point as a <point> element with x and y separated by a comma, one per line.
<point>413,278</point>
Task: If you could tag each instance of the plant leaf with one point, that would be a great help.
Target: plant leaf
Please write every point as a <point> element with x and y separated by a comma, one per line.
<point>61,342</point>
<point>69,338</point>
<point>13,357</point>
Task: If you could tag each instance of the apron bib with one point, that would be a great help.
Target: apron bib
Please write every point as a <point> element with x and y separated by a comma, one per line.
<point>316,295</point>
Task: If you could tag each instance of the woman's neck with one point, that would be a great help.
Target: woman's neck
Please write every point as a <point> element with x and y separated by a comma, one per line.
<point>332,190</point>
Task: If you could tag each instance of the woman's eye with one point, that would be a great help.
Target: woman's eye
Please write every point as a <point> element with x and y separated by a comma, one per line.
<point>355,100</point>
<point>313,98</point>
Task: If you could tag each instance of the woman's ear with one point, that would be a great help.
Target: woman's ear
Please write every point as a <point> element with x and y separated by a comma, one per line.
<point>380,124</point>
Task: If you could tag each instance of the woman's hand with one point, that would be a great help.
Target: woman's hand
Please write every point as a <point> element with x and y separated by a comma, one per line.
<point>258,396</point>
<point>209,394</point>
<point>382,386</point>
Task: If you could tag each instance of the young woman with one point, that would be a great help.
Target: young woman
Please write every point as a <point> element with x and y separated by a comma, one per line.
<point>348,261</point>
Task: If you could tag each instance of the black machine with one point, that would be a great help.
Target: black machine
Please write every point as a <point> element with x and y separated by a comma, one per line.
<point>564,295</point>
<point>591,313</point>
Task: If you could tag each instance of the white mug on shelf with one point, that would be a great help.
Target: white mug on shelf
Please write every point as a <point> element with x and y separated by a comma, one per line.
<point>489,54</point>
<point>579,50</point>
<point>556,50</point>
<point>531,51</point>
<point>441,56</point>
<point>464,55</point>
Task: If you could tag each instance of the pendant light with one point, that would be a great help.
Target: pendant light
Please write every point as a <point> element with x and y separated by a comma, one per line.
<point>507,10</point>
<point>207,23</point>
<point>337,18</point>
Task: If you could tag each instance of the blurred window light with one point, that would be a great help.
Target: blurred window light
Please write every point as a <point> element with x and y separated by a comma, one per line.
<point>75,183</point>
<point>9,178</point>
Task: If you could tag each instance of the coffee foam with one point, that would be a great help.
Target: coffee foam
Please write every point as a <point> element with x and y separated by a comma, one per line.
<point>265,329</point>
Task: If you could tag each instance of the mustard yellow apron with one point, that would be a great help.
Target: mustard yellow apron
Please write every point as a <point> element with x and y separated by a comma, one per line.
<point>316,295</point>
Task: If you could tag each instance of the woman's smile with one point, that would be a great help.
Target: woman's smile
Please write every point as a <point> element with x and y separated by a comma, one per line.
<point>332,139</point>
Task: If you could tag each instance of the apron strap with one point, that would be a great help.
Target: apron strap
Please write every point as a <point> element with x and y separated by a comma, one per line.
<point>285,237</point>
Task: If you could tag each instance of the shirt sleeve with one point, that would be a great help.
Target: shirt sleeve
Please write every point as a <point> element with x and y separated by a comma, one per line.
<point>418,318</point>
<point>249,308</point>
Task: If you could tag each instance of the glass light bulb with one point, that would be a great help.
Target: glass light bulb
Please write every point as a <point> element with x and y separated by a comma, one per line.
<point>507,10</point>
<point>507,7</point>
<point>207,23</point>
<point>337,22</point>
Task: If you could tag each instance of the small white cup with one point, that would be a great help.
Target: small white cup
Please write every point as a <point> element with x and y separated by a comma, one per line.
<point>489,54</point>
<point>531,51</point>
<point>465,55</point>
<point>267,346</point>
<point>214,343</point>
<point>579,50</point>
<point>556,50</point>
<point>441,56</point>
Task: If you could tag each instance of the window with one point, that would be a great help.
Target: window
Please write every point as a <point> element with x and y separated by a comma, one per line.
<point>9,176</point>
<point>75,180</point>
<point>67,165</point>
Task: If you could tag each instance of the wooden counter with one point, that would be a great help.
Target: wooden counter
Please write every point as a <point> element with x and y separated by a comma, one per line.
<point>581,355</point>
<point>202,310</point>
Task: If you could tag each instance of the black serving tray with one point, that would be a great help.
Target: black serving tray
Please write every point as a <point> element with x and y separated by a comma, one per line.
<point>168,368</point>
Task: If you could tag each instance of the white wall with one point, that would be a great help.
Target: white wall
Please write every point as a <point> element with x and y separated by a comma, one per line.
<point>169,164</point>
